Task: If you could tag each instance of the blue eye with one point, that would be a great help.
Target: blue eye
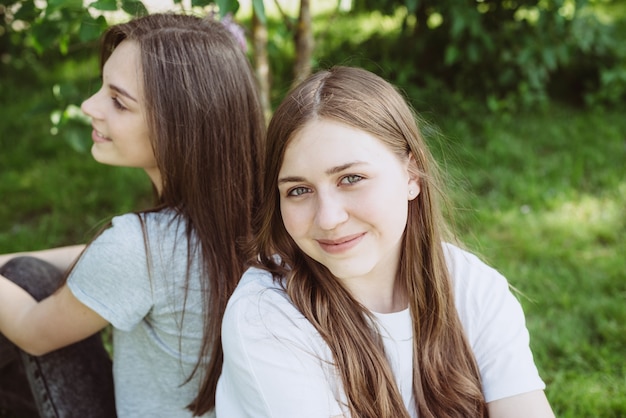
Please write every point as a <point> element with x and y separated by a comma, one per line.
<point>351,179</point>
<point>298,191</point>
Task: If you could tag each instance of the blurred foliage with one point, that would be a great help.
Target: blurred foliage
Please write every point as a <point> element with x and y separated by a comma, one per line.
<point>509,53</point>
<point>36,36</point>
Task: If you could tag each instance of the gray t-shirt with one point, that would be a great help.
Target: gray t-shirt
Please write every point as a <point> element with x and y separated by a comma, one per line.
<point>157,331</point>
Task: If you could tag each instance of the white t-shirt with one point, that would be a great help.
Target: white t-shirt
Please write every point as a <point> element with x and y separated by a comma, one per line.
<point>277,365</point>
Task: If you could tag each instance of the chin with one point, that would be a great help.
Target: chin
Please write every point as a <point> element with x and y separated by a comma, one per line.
<point>345,274</point>
<point>94,153</point>
<point>100,159</point>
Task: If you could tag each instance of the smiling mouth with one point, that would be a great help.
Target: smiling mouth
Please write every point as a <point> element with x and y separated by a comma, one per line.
<point>97,136</point>
<point>340,245</point>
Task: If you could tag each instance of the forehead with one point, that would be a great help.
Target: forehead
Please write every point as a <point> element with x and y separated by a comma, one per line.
<point>124,64</point>
<point>322,144</point>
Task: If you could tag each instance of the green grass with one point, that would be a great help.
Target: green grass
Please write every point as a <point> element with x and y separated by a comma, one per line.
<point>545,200</point>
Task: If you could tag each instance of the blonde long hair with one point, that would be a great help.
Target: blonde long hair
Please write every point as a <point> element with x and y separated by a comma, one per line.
<point>446,380</point>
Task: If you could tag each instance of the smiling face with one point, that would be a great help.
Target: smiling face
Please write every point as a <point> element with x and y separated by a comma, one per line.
<point>120,132</point>
<point>344,200</point>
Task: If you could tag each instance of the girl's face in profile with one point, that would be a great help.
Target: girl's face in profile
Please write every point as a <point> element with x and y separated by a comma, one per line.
<point>117,111</point>
<point>344,200</point>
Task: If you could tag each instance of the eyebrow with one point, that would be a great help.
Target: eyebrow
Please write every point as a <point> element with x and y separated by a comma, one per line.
<point>122,92</point>
<point>329,172</point>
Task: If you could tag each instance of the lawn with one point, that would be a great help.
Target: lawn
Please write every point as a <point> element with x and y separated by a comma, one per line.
<point>545,204</point>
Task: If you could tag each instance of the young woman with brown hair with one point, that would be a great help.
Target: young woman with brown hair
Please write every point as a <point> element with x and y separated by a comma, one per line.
<point>360,307</point>
<point>179,100</point>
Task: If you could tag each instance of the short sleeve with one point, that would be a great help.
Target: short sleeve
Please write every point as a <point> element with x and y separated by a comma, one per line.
<point>496,328</point>
<point>275,364</point>
<point>111,277</point>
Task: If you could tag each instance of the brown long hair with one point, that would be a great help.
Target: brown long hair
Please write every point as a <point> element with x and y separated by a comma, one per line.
<point>206,128</point>
<point>446,380</point>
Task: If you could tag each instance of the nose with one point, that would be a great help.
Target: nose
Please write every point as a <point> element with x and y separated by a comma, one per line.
<point>90,107</point>
<point>331,211</point>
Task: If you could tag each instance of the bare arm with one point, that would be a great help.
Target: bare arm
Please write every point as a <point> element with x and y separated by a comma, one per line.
<point>61,257</point>
<point>39,328</point>
<point>532,404</point>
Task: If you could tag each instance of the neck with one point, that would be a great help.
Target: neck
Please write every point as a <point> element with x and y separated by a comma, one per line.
<point>155,178</point>
<point>378,297</point>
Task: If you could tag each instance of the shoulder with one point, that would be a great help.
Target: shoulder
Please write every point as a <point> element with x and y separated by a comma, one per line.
<point>260,310</point>
<point>495,326</point>
<point>473,280</point>
<point>130,232</point>
<point>482,295</point>
<point>119,251</point>
<point>268,346</point>
<point>258,298</point>
<point>163,222</point>
<point>461,262</point>
<point>253,281</point>
<point>164,219</point>
<point>122,238</point>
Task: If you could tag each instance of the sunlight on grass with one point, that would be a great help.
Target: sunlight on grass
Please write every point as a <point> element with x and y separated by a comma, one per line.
<point>566,258</point>
<point>589,396</point>
<point>360,27</point>
<point>590,218</point>
<point>587,231</point>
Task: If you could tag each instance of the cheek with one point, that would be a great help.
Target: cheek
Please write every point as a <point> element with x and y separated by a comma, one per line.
<point>294,219</point>
<point>388,208</point>
<point>139,141</point>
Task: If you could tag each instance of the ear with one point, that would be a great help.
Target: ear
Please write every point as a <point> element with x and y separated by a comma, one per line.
<point>413,186</point>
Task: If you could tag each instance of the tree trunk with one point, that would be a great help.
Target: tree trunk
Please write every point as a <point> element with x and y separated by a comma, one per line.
<point>304,44</point>
<point>261,63</point>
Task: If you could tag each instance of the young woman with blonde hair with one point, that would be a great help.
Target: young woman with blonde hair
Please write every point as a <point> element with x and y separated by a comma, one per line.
<point>359,306</point>
<point>178,100</point>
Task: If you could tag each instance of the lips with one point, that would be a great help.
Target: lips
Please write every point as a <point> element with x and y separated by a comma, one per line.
<point>340,245</point>
<point>97,136</point>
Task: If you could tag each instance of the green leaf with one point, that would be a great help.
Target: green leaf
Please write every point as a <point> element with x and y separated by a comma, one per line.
<point>227,6</point>
<point>64,43</point>
<point>411,6</point>
<point>43,35</point>
<point>27,12</point>
<point>75,137</point>
<point>64,4</point>
<point>199,3</point>
<point>549,58</point>
<point>473,52</point>
<point>91,28</point>
<point>134,8</point>
<point>106,5</point>
<point>259,9</point>
<point>458,26</point>
<point>452,55</point>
